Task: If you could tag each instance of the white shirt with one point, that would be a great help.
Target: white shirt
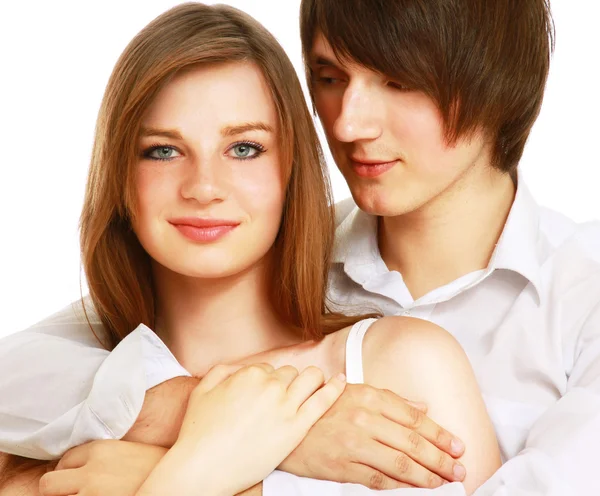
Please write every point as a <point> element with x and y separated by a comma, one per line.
<point>529,323</point>
<point>59,387</point>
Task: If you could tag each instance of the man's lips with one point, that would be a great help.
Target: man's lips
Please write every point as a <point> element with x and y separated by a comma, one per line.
<point>371,168</point>
<point>203,230</point>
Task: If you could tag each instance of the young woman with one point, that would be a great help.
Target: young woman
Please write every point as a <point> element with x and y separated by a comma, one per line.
<point>207,218</point>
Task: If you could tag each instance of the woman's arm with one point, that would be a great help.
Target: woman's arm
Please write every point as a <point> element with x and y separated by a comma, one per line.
<point>419,360</point>
<point>228,417</point>
<point>116,468</point>
<point>230,413</point>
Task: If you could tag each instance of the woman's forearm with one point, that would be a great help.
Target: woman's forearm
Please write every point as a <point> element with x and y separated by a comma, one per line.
<point>188,472</point>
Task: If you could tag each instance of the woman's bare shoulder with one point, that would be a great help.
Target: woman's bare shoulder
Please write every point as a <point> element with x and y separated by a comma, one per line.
<point>392,338</point>
<point>413,357</point>
<point>422,362</point>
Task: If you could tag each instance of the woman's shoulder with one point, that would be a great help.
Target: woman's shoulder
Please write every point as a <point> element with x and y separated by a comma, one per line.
<point>78,322</point>
<point>386,344</point>
<point>400,342</point>
<point>394,331</point>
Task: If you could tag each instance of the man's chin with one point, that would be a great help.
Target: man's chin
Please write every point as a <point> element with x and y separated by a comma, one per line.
<point>380,206</point>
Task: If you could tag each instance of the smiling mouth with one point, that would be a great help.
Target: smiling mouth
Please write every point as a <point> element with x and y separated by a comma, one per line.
<point>371,169</point>
<point>204,230</point>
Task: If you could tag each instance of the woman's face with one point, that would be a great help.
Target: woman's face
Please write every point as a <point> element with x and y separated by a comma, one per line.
<point>210,192</point>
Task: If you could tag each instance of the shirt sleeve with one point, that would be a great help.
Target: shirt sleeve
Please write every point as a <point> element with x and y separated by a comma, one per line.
<point>57,392</point>
<point>560,455</point>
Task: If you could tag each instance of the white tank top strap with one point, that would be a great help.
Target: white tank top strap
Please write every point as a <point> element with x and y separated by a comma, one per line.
<point>354,355</point>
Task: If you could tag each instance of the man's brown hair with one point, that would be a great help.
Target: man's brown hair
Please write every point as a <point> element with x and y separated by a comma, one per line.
<point>484,62</point>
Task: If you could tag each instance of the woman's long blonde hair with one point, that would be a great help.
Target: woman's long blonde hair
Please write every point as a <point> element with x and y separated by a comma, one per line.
<point>116,266</point>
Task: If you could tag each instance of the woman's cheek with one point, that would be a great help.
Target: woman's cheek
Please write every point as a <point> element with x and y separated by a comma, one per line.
<point>154,187</point>
<point>263,191</point>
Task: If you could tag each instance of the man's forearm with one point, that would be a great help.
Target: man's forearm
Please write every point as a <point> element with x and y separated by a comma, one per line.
<point>164,407</point>
<point>21,477</point>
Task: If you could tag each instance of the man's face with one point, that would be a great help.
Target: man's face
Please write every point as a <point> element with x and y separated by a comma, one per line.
<point>387,140</point>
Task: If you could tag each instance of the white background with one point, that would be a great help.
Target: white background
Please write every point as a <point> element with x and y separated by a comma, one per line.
<point>56,57</point>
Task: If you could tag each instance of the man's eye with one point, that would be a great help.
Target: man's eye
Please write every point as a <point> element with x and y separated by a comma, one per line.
<point>397,86</point>
<point>328,80</point>
<point>327,77</point>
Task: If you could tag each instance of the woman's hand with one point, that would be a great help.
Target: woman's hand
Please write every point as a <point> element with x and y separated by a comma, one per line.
<point>239,425</point>
<point>99,468</point>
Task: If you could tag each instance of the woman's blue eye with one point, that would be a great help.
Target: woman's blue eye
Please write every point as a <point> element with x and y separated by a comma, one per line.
<point>161,153</point>
<point>243,151</point>
<point>246,151</point>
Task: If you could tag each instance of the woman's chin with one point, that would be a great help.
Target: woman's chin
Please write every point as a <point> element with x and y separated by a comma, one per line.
<point>208,270</point>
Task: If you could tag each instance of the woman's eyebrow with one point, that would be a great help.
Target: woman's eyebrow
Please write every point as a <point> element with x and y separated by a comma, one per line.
<point>166,133</point>
<point>226,131</point>
<point>245,127</point>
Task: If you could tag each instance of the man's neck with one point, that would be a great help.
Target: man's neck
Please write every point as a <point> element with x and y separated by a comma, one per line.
<point>208,322</point>
<point>451,236</point>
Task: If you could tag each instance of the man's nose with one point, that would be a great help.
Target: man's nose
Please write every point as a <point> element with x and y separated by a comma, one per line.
<point>360,115</point>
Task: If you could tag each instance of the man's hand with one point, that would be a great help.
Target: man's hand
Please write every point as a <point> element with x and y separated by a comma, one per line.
<point>375,438</point>
<point>117,468</point>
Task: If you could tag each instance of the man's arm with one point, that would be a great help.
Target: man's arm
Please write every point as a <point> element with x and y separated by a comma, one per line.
<point>22,485</point>
<point>27,482</point>
<point>69,391</point>
<point>560,456</point>
<point>21,478</point>
<point>162,413</point>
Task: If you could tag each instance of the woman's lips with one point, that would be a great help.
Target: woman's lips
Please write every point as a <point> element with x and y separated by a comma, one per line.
<point>371,169</point>
<point>204,230</point>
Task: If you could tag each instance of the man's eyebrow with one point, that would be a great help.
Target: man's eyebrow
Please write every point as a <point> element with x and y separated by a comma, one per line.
<point>245,127</point>
<point>321,60</point>
<point>166,133</point>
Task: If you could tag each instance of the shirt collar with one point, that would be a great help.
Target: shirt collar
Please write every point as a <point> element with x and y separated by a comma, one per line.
<point>518,246</point>
<point>517,249</point>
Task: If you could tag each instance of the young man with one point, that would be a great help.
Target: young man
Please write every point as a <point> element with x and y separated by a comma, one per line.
<point>426,107</point>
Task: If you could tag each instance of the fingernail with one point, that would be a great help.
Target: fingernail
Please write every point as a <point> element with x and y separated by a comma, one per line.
<point>341,377</point>
<point>457,446</point>
<point>459,472</point>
